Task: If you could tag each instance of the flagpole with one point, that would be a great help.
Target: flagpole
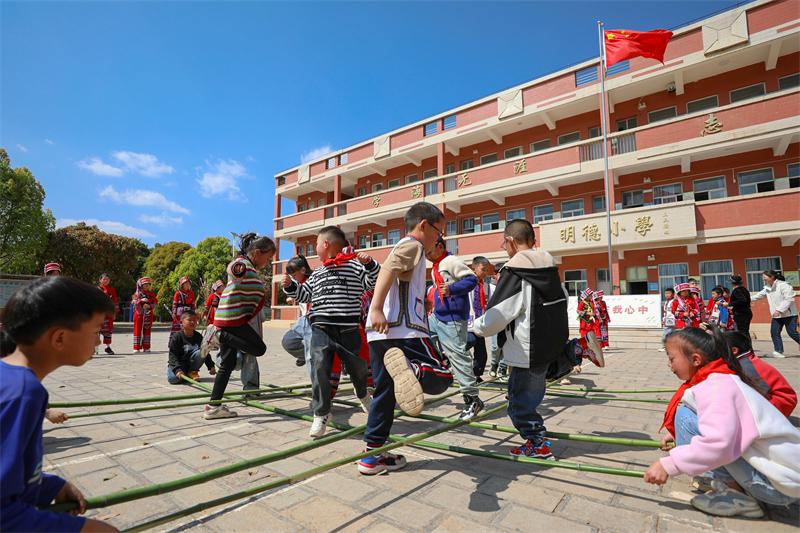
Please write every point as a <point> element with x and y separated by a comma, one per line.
<point>609,200</point>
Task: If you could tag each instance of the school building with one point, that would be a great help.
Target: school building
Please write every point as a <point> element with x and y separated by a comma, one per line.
<point>704,166</point>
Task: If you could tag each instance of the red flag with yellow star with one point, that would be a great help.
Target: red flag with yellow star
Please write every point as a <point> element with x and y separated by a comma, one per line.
<point>625,44</point>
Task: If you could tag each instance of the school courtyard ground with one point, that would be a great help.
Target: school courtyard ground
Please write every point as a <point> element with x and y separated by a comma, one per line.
<point>438,491</point>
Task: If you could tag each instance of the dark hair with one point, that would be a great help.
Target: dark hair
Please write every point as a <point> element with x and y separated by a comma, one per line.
<point>780,276</point>
<point>771,273</point>
<point>712,344</point>
<point>739,340</point>
<point>726,290</point>
<point>250,242</point>
<point>47,302</point>
<point>499,265</point>
<point>298,264</point>
<point>718,290</point>
<point>104,274</point>
<point>479,260</point>
<point>736,280</point>
<point>691,280</point>
<point>186,313</point>
<point>669,289</point>
<point>422,211</point>
<point>521,230</point>
<point>7,344</point>
<point>334,235</point>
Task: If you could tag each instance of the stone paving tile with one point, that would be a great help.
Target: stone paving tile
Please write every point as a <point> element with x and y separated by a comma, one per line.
<point>597,514</point>
<point>675,506</point>
<point>532,495</point>
<point>329,514</point>
<point>402,508</point>
<point>471,503</point>
<point>524,519</point>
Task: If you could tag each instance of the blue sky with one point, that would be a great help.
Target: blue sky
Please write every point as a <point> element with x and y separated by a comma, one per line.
<point>168,120</point>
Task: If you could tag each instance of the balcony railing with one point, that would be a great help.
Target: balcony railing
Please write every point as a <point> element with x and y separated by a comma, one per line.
<point>590,152</point>
<point>452,246</point>
<point>450,184</point>
<point>623,144</point>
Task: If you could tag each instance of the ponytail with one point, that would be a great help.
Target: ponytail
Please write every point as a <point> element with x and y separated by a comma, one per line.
<point>298,264</point>
<point>250,242</point>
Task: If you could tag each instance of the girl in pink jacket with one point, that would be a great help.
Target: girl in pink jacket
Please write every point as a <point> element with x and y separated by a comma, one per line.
<point>725,428</point>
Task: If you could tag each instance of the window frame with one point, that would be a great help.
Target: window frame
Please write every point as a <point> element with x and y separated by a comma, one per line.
<point>757,273</point>
<point>571,211</point>
<point>488,162</point>
<point>331,162</point>
<point>391,184</point>
<point>560,137</point>
<point>363,191</point>
<point>763,92</point>
<point>675,278</point>
<point>515,211</point>
<point>678,197</point>
<point>453,123</point>
<point>720,278</point>
<point>374,188</point>
<point>533,147</point>
<point>377,242</point>
<point>716,104</point>
<point>301,207</point>
<point>797,75</point>
<point>724,188</point>
<point>449,169</point>
<point>632,192</point>
<point>599,130</point>
<point>594,207</point>
<point>393,240</point>
<point>311,250</point>
<point>432,187</point>
<point>651,113</point>
<point>794,180</point>
<point>343,159</point>
<point>739,181</point>
<point>541,218</point>
<point>505,152</point>
<point>474,225</point>
<point>281,181</point>
<point>431,128</point>
<point>498,222</point>
<point>363,242</point>
<point>582,281</point>
<point>625,121</point>
<point>411,178</point>
<point>426,177</point>
<point>467,164</point>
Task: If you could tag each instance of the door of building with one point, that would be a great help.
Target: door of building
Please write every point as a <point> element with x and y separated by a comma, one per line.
<point>636,280</point>
<point>603,283</point>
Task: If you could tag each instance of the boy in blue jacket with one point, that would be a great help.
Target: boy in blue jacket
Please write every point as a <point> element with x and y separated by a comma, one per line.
<point>54,321</point>
<point>453,281</point>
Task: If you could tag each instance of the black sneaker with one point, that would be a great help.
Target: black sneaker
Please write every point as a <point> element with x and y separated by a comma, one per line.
<point>109,351</point>
<point>478,380</point>
<point>472,406</point>
<point>300,362</point>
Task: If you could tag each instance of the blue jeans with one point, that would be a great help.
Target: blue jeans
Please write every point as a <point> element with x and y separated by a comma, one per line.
<point>192,364</point>
<point>751,480</point>
<point>328,341</point>
<point>453,338</point>
<point>777,327</point>
<point>297,342</point>
<point>667,331</point>
<point>525,393</point>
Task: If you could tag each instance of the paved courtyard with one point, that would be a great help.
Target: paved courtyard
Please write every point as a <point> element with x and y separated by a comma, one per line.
<point>438,491</point>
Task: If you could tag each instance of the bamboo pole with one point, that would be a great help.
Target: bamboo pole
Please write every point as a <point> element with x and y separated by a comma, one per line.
<point>608,399</point>
<point>615,391</point>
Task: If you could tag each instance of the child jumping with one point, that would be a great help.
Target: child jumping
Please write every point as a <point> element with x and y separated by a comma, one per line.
<point>54,321</point>
<point>721,423</point>
<point>184,300</point>
<point>108,325</point>
<point>144,301</point>
<point>242,299</point>
<point>297,340</point>
<point>334,291</point>
<point>404,363</point>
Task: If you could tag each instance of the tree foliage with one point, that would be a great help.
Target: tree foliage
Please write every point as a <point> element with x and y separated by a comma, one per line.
<point>163,260</point>
<point>204,265</point>
<point>24,224</point>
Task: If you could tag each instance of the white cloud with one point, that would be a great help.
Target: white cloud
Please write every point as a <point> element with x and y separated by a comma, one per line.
<point>96,166</point>
<point>221,178</point>
<point>22,148</point>
<point>109,226</point>
<point>162,220</point>
<point>315,153</point>
<point>48,141</point>
<point>145,164</point>
<point>251,158</point>
<point>139,197</point>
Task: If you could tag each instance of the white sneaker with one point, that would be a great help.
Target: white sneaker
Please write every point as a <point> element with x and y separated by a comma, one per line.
<point>366,401</point>
<point>777,355</point>
<point>210,340</point>
<point>725,501</point>
<point>320,425</point>
<point>221,411</point>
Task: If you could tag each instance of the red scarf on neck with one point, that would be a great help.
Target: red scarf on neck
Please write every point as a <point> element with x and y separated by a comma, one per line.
<point>483,295</point>
<point>339,259</point>
<point>718,366</point>
<point>437,276</point>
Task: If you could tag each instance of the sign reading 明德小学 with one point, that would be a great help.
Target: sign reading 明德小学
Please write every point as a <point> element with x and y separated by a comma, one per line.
<point>626,311</point>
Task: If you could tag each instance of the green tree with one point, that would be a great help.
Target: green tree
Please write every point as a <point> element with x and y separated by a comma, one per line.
<point>24,225</point>
<point>161,262</point>
<point>204,265</point>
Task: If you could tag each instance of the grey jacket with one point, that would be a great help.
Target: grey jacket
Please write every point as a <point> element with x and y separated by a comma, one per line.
<point>780,296</point>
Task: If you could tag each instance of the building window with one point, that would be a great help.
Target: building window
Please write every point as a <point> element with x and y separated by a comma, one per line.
<point>468,164</point>
<point>587,75</point>
<point>599,204</point>
<point>542,213</point>
<point>394,236</point>
<point>572,208</point>
<point>311,250</point>
<point>662,114</point>
<point>637,273</point>
<point>363,242</point>
<point>755,267</point>
<point>746,93</point>
<point>377,187</point>
<point>713,273</point>
<point>627,124</point>
<point>617,68</point>
<point>491,222</point>
<point>343,159</point>
<point>449,169</point>
<point>512,152</point>
<point>301,249</point>
<point>393,183</point>
<point>451,227</point>
<point>282,180</point>
<point>450,122</point>
<point>754,181</point>
<point>429,174</point>
<point>488,158</point>
<point>301,208</point>
<point>632,199</point>
<point>569,138</point>
<point>575,281</point>
<point>793,172</point>
<point>468,225</point>
<point>331,163</point>
<point>667,194</point>
<point>595,132</point>
<point>513,214</point>
<point>540,145</point>
<point>431,188</point>
<point>709,189</point>
<point>362,191</point>
<point>377,239</point>
<point>431,128</point>
<point>709,102</point>
<point>672,274</point>
<point>310,206</point>
<point>321,203</point>
<point>412,178</point>
<point>787,82</point>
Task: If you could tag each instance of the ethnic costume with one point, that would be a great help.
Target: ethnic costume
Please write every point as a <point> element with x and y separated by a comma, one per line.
<point>682,309</point>
<point>718,314</point>
<point>212,302</point>
<point>50,268</point>
<point>142,318</point>
<point>183,301</point>
<point>604,317</point>
<point>699,308</point>
<point>108,323</point>
<point>587,314</point>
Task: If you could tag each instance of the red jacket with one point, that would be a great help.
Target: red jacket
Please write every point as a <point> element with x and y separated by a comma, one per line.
<point>783,395</point>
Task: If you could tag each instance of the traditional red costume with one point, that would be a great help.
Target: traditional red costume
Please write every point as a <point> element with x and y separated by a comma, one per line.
<point>142,316</point>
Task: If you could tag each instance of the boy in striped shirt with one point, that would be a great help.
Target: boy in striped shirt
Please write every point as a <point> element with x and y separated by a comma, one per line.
<point>334,291</point>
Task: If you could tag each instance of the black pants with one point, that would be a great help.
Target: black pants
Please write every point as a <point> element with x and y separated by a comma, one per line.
<point>479,356</point>
<point>742,320</point>
<point>240,338</point>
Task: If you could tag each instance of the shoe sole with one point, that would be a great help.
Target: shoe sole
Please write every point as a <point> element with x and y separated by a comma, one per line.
<point>371,471</point>
<point>215,417</point>
<point>591,342</point>
<point>756,513</point>
<point>550,457</point>
<point>407,390</point>
<point>473,415</point>
<point>322,431</point>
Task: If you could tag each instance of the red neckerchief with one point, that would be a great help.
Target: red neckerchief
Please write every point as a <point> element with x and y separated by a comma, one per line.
<point>339,259</point>
<point>437,276</point>
<point>483,295</point>
<point>714,367</point>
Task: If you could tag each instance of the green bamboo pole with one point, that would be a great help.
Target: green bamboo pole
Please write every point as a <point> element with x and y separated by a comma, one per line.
<point>608,399</point>
<point>616,391</point>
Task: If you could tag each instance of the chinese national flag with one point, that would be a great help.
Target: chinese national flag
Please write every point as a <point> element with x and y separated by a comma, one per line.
<point>625,44</point>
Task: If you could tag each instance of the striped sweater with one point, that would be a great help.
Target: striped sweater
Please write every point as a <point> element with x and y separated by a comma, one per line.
<point>242,298</point>
<point>335,292</point>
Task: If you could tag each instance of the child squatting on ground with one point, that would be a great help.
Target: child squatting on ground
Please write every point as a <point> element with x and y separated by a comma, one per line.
<point>54,321</point>
<point>723,426</point>
<point>334,291</point>
<point>184,351</point>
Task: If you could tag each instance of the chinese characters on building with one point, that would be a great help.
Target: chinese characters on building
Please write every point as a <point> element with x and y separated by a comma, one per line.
<point>643,225</point>
<point>463,180</point>
<point>377,200</point>
<point>520,167</point>
<point>712,126</point>
<point>666,224</point>
<point>416,191</point>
